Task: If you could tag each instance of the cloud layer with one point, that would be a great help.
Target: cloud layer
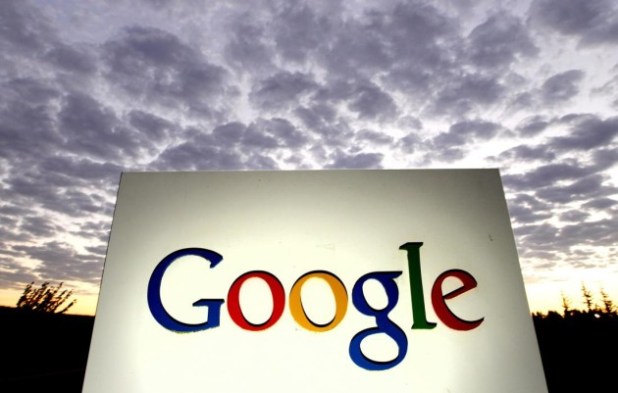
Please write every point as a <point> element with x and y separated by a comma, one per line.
<point>89,91</point>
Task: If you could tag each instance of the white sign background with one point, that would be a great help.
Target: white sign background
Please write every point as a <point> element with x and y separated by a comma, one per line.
<point>348,222</point>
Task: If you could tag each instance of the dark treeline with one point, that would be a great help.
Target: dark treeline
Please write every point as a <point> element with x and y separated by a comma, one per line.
<point>44,351</point>
<point>579,346</point>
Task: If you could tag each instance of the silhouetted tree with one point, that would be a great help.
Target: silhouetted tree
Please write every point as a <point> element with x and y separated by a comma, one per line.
<point>566,305</point>
<point>608,304</point>
<point>45,298</point>
<point>587,295</point>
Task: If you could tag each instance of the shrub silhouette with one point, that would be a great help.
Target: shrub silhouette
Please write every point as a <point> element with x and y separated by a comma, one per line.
<point>46,298</point>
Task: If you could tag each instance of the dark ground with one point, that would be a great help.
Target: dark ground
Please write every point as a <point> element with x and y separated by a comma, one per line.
<point>42,351</point>
<point>48,352</point>
<point>580,351</point>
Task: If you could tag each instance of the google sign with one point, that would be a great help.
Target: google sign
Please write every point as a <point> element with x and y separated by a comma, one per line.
<point>305,281</point>
<point>383,324</point>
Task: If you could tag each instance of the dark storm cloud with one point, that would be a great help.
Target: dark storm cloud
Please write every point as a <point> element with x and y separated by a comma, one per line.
<point>369,101</point>
<point>247,49</point>
<point>31,47</point>
<point>24,28</point>
<point>408,47</point>
<point>467,93</point>
<point>261,161</point>
<point>317,116</point>
<point>418,32</point>
<point>554,92</point>
<point>374,137</point>
<point>358,48</point>
<point>200,152</point>
<point>410,143</point>
<point>156,66</point>
<point>499,41</point>
<point>544,238</point>
<point>30,189</point>
<point>476,129</point>
<point>299,31</point>
<point>422,44</point>
<point>282,90</point>
<point>410,123</point>
<point>526,209</point>
<point>539,237</point>
<point>233,146</point>
<point>91,128</point>
<point>54,193</point>
<point>72,59</point>
<point>522,101</point>
<point>80,171</point>
<point>601,203</point>
<point>587,132</point>
<point>96,232</point>
<point>29,91</point>
<point>38,226</point>
<point>545,175</point>
<point>60,261</point>
<point>363,97</point>
<point>253,137</point>
<point>99,250</point>
<point>592,21</point>
<point>14,274</point>
<point>574,216</point>
<point>158,3</point>
<point>605,158</point>
<point>342,159</point>
<point>13,210</point>
<point>532,126</point>
<point>9,233</point>
<point>528,153</point>
<point>364,141</point>
<point>154,128</point>
<point>324,121</point>
<point>581,190</point>
<point>600,233</point>
<point>229,134</point>
<point>28,128</point>
<point>78,203</point>
<point>262,134</point>
<point>578,190</point>
<point>561,87</point>
<point>569,180</point>
<point>283,133</point>
<point>452,145</point>
<point>585,188</point>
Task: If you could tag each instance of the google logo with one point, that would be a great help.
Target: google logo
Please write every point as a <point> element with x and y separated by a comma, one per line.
<point>383,324</point>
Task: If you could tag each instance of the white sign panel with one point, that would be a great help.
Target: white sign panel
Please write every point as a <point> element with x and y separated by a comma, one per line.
<point>313,281</point>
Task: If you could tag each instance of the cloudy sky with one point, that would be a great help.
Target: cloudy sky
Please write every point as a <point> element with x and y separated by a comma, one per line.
<point>89,90</point>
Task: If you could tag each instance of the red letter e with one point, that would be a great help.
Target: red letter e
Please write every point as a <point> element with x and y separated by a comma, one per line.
<point>439,300</point>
